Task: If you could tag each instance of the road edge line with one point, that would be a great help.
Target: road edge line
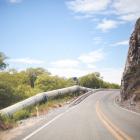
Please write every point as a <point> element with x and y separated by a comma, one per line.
<point>40,128</point>
<point>133,112</point>
<point>48,123</point>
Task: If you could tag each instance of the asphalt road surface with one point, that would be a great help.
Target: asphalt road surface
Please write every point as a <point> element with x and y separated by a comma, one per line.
<point>97,117</point>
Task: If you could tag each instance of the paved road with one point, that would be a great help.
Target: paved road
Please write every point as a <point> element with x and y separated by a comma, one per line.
<point>96,118</point>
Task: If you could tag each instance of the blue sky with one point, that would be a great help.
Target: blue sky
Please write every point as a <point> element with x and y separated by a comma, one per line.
<point>68,37</point>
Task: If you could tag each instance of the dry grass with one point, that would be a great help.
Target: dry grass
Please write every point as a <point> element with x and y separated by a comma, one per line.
<point>40,109</point>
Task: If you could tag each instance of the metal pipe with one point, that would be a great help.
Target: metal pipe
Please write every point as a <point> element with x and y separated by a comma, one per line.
<point>9,111</point>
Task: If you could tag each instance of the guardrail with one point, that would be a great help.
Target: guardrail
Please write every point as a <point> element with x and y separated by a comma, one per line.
<point>40,98</point>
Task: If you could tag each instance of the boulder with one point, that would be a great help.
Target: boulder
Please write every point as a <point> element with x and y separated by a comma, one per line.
<point>130,83</point>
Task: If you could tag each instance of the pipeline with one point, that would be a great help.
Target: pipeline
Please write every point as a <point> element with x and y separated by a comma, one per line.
<point>34,100</point>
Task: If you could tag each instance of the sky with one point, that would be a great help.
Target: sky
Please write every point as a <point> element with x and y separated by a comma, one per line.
<point>69,38</point>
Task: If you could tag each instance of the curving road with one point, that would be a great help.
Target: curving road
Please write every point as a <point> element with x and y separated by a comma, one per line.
<point>97,117</point>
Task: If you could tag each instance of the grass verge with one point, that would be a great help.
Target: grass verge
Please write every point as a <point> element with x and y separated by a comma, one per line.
<point>39,109</point>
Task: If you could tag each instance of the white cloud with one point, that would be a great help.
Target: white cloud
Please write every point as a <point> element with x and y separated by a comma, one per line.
<point>66,63</point>
<point>26,61</point>
<point>112,75</point>
<point>121,43</point>
<point>109,74</point>
<point>82,65</point>
<point>125,10</point>
<point>126,6</point>
<point>128,10</point>
<point>106,25</point>
<point>15,1</point>
<point>130,17</point>
<point>88,59</point>
<point>92,57</point>
<point>66,68</point>
<point>87,6</point>
<point>97,40</point>
<point>79,17</point>
<point>69,72</point>
<point>85,64</point>
<point>91,66</point>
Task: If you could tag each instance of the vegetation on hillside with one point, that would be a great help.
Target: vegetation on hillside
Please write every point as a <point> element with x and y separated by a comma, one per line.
<point>16,86</point>
<point>94,80</point>
<point>7,122</point>
<point>2,59</point>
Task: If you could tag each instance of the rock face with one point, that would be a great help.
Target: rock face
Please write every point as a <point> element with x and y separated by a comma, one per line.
<point>130,84</point>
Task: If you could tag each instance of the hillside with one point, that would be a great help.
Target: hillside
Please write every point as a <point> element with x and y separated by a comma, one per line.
<point>130,85</point>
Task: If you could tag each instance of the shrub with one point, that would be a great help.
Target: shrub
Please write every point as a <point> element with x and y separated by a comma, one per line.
<point>22,114</point>
<point>6,122</point>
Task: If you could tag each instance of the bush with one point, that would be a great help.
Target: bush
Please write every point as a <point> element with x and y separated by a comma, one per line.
<point>22,114</point>
<point>6,122</point>
<point>6,94</point>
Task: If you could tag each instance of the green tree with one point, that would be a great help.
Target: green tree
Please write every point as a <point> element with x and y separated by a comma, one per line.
<point>33,73</point>
<point>48,82</point>
<point>2,59</point>
<point>6,94</point>
<point>94,80</point>
<point>90,81</point>
<point>8,85</point>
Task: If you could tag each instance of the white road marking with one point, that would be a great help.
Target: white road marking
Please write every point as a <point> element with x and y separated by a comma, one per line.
<point>70,109</point>
<point>39,129</point>
<point>126,109</point>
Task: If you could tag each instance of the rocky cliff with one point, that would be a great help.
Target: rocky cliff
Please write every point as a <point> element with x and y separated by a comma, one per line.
<point>130,84</point>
